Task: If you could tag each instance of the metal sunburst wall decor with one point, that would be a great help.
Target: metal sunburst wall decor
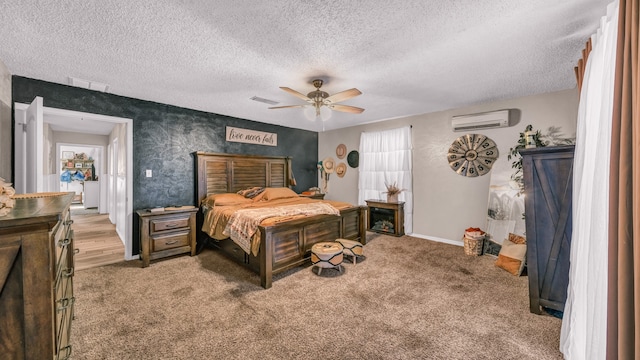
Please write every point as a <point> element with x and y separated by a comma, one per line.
<point>472,155</point>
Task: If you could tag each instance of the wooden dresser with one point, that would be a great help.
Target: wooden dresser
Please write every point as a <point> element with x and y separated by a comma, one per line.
<point>36,278</point>
<point>548,180</point>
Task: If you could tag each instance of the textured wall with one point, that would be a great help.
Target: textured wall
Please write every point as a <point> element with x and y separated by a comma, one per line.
<point>165,136</point>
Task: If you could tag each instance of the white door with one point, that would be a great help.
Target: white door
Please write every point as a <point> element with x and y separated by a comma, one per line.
<point>105,186</point>
<point>113,172</point>
<point>119,195</point>
<point>35,147</point>
<point>29,149</point>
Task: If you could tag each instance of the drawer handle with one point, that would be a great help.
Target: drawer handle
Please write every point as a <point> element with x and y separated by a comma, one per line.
<point>68,222</point>
<point>171,242</point>
<point>76,251</point>
<point>172,225</point>
<point>66,303</point>
<point>68,272</point>
<point>67,352</point>
<point>64,242</point>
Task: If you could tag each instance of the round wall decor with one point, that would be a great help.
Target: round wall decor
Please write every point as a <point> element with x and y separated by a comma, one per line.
<point>472,155</point>
<point>353,159</point>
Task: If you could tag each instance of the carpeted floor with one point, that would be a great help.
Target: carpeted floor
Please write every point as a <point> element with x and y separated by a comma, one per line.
<point>409,299</point>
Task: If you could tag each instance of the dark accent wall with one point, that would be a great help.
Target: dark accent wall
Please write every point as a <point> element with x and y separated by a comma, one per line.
<point>165,136</point>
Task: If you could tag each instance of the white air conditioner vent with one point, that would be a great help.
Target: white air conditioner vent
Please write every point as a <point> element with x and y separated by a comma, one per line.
<point>487,120</point>
<point>88,84</point>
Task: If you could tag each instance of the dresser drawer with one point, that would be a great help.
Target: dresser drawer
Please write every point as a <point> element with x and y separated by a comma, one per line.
<point>170,240</point>
<point>169,224</point>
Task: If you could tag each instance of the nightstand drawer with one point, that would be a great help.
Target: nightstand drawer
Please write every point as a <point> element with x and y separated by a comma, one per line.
<point>169,224</point>
<point>167,233</point>
<point>170,241</point>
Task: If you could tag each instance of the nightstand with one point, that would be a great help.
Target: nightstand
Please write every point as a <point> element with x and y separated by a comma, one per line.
<point>319,196</point>
<point>166,233</point>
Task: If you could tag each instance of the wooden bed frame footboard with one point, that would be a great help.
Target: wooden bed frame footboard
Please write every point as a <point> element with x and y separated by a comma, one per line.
<point>284,245</point>
<point>289,244</point>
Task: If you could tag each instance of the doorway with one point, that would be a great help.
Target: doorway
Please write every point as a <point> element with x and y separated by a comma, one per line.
<point>81,171</point>
<point>45,122</point>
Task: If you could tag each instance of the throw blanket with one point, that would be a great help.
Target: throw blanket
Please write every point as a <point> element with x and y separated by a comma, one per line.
<point>244,223</point>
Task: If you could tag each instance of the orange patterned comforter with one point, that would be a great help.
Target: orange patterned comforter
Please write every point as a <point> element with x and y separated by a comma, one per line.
<point>240,222</point>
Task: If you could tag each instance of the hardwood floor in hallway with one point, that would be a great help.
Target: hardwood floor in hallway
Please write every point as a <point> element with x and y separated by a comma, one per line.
<point>97,242</point>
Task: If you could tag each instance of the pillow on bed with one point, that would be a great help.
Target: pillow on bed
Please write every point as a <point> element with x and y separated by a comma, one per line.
<point>225,199</point>
<point>275,193</point>
<point>251,192</point>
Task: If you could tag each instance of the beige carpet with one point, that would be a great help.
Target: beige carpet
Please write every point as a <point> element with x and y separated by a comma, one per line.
<point>409,299</point>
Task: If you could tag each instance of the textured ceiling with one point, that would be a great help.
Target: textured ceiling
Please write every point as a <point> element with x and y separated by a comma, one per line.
<point>406,56</point>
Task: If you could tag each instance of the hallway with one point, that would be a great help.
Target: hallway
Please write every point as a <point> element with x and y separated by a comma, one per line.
<point>96,240</point>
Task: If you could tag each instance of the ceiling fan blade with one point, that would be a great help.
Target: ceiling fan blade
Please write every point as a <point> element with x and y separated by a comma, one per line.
<point>288,106</point>
<point>343,95</point>
<point>346,108</point>
<point>296,94</point>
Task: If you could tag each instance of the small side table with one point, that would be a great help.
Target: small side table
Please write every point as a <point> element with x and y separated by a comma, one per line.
<point>319,196</point>
<point>166,233</point>
<point>386,217</point>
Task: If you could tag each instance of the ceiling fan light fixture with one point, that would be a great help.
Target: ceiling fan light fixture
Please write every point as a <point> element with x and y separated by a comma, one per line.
<point>317,112</point>
<point>323,113</point>
<point>310,113</point>
<point>322,102</point>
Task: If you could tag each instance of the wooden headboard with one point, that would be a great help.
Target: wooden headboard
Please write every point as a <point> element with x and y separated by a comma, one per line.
<point>227,173</point>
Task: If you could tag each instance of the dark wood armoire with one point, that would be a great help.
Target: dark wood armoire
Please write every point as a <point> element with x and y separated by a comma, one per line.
<point>548,182</point>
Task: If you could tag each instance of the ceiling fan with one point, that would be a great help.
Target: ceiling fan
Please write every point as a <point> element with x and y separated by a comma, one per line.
<point>319,98</point>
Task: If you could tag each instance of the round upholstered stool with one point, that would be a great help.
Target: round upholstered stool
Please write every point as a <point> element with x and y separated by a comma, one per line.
<point>327,255</point>
<point>352,248</point>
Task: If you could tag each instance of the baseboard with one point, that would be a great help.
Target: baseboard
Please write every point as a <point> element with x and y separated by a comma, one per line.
<point>437,239</point>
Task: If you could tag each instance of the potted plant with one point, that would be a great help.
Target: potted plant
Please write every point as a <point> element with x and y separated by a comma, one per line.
<point>514,153</point>
<point>392,192</point>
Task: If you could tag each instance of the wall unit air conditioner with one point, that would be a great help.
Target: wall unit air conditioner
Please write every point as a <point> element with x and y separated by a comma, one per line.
<point>487,120</point>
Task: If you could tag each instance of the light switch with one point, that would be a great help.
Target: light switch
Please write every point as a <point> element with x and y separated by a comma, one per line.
<point>149,173</point>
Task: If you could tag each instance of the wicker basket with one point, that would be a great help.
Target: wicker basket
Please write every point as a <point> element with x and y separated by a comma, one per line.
<point>473,245</point>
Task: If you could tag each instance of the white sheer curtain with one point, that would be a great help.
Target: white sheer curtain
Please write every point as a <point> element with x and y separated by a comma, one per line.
<point>584,323</point>
<point>385,158</point>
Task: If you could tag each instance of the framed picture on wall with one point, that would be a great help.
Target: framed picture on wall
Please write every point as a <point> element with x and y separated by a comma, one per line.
<point>66,155</point>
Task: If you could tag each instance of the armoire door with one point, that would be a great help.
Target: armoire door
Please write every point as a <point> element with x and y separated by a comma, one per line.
<point>548,181</point>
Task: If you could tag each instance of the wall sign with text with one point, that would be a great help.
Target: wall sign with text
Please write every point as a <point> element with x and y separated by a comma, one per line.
<point>251,136</point>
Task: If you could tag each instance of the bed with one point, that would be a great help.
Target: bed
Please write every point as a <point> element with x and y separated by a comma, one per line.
<point>282,244</point>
